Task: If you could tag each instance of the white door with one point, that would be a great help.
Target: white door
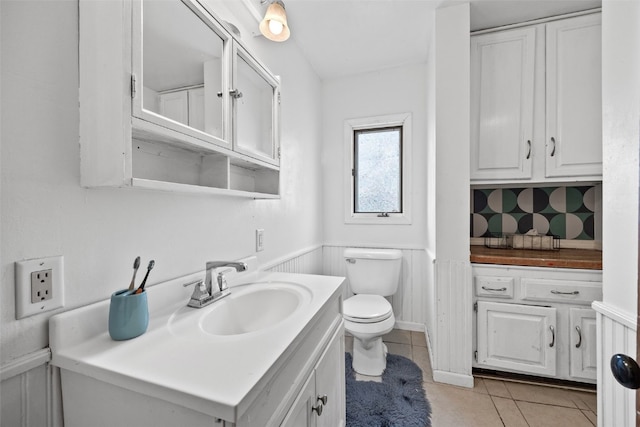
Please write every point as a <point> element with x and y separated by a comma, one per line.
<point>574,97</point>
<point>502,71</point>
<point>517,337</point>
<point>583,351</point>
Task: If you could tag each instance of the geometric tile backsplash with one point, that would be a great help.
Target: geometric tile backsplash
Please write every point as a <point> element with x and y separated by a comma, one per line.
<point>566,212</point>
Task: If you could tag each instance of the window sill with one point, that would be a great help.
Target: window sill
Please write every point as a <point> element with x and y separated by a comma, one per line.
<point>373,219</point>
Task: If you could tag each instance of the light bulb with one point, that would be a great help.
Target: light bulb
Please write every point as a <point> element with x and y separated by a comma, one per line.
<point>275,27</point>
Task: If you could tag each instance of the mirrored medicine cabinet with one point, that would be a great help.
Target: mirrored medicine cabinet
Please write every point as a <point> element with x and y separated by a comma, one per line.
<point>200,113</point>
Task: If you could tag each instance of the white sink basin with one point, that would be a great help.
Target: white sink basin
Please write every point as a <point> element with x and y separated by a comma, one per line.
<point>250,308</point>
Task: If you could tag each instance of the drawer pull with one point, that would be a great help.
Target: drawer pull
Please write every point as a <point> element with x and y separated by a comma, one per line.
<point>553,336</point>
<point>565,293</point>
<point>579,336</point>
<point>494,289</point>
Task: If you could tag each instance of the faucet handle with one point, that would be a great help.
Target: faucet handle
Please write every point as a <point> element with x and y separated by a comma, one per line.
<point>222,282</point>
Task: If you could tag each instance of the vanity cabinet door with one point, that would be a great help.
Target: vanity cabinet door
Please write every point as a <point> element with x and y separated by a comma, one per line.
<point>574,97</point>
<point>502,83</point>
<point>517,337</point>
<point>300,414</point>
<point>330,385</point>
<point>583,352</point>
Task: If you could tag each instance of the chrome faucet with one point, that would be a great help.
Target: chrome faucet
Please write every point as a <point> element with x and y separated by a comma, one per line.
<point>204,293</point>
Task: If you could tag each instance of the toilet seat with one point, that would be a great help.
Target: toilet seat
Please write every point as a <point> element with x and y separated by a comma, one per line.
<point>366,309</point>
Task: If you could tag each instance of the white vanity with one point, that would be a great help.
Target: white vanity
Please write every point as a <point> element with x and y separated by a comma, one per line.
<point>270,354</point>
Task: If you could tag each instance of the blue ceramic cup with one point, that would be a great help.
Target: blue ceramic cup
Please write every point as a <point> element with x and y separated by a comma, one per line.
<point>128,315</point>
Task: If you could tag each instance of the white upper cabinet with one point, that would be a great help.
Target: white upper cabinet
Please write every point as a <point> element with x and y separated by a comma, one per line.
<point>574,97</point>
<point>502,66</point>
<point>171,100</point>
<point>536,107</point>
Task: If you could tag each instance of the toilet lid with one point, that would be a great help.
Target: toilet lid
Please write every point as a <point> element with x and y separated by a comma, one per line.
<point>366,309</point>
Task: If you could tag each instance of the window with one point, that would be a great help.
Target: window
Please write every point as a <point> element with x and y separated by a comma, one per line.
<point>379,153</point>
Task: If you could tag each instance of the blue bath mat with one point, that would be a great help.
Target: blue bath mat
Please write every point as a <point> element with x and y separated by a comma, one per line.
<point>398,401</point>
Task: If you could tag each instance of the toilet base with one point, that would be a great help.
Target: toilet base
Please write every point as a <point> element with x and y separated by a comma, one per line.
<point>370,361</point>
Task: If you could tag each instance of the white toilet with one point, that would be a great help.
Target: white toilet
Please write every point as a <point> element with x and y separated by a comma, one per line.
<point>373,274</point>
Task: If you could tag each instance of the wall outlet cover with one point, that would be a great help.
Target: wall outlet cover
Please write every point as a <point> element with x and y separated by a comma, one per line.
<point>54,267</point>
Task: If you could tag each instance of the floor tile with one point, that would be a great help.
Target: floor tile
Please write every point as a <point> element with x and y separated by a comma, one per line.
<point>398,336</point>
<point>421,358</point>
<point>418,339</point>
<point>538,415</point>
<point>585,400</point>
<point>400,349</point>
<point>497,388</point>
<point>540,394</point>
<point>348,344</point>
<point>509,412</point>
<point>479,386</point>
<point>592,417</point>
<point>455,407</point>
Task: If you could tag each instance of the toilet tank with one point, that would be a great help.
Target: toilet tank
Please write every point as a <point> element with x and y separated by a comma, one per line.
<point>373,271</point>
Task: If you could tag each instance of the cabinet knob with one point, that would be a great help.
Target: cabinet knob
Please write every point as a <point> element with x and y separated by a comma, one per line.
<point>323,399</point>
<point>235,94</point>
<point>317,409</point>
<point>625,370</point>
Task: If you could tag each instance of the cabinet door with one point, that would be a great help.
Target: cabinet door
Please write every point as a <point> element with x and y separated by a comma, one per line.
<point>330,382</point>
<point>300,414</point>
<point>256,96</point>
<point>502,71</point>
<point>583,351</point>
<point>174,106</point>
<point>517,337</point>
<point>574,97</point>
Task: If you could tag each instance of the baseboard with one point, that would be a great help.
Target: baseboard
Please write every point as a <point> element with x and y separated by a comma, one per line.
<point>409,326</point>
<point>452,378</point>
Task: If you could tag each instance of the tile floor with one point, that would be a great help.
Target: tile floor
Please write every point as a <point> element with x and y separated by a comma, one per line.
<point>492,403</point>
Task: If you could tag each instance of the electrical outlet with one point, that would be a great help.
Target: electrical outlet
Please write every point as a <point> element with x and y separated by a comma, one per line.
<point>39,286</point>
<point>259,240</point>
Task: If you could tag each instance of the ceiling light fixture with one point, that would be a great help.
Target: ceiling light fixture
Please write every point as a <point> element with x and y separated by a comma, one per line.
<point>274,25</point>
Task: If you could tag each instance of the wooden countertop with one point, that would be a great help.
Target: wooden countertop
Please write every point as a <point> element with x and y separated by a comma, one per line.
<point>563,258</point>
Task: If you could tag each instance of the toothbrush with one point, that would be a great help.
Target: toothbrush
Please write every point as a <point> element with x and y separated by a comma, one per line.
<point>136,264</point>
<point>149,267</point>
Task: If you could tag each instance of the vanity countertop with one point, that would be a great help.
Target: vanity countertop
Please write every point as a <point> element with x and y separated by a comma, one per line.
<point>562,258</point>
<point>216,375</point>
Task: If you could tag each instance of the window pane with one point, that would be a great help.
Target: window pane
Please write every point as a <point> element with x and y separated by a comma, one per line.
<point>377,175</point>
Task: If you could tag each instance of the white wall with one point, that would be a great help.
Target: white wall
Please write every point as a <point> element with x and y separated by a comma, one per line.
<point>451,338</point>
<point>390,91</point>
<point>621,133</point>
<point>45,211</point>
<point>616,319</point>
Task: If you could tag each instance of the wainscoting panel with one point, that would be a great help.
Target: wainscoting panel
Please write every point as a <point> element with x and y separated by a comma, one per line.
<point>25,397</point>
<point>408,302</point>
<point>616,334</point>
<point>453,332</point>
<point>308,261</point>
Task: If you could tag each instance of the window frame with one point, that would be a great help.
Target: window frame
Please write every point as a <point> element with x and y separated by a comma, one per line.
<point>403,121</point>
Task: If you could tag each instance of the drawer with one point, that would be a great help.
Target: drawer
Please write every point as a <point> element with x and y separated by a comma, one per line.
<point>575,292</point>
<point>494,287</point>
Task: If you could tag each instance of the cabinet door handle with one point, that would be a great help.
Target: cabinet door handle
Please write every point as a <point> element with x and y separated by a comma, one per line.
<point>235,94</point>
<point>323,399</point>
<point>565,293</point>
<point>494,289</point>
<point>553,150</point>
<point>579,336</point>
<point>529,152</point>
<point>553,336</point>
<point>318,409</point>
